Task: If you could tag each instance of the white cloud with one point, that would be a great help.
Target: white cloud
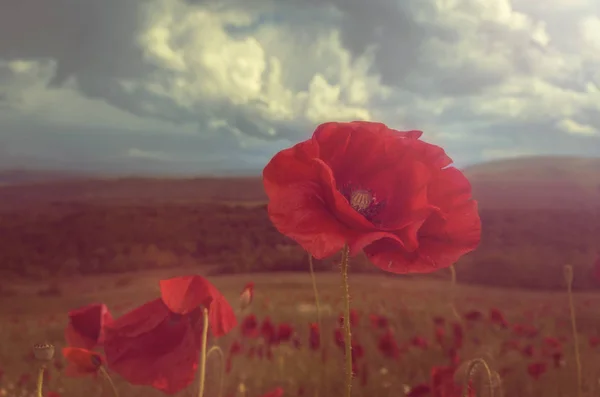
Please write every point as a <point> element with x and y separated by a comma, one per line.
<point>573,127</point>
<point>203,63</point>
<point>150,155</point>
<point>590,32</point>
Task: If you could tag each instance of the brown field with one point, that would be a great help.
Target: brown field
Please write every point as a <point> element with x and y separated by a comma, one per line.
<point>410,305</point>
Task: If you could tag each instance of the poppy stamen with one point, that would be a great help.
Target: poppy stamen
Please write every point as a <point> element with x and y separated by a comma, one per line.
<point>363,201</point>
<point>360,200</point>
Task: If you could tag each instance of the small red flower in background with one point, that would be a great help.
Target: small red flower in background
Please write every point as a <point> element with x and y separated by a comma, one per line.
<point>249,326</point>
<point>379,321</point>
<point>314,336</point>
<point>443,384</point>
<point>86,326</point>
<point>81,362</point>
<point>388,346</point>
<point>247,295</point>
<point>284,332</point>
<point>497,317</point>
<point>537,369</point>
<point>376,189</point>
<point>421,390</point>
<point>473,315</point>
<point>278,392</point>
<point>158,343</point>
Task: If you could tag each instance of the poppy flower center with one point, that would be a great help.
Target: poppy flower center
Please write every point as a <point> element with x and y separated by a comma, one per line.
<point>363,201</point>
<point>360,200</point>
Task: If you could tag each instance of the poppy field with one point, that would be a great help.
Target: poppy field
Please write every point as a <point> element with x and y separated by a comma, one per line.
<point>404,330</point>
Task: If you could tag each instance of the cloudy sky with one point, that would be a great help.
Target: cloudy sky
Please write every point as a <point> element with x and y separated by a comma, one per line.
<point>201,86</point>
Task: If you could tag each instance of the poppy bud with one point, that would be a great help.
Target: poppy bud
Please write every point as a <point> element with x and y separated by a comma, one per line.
<point>247,295</point>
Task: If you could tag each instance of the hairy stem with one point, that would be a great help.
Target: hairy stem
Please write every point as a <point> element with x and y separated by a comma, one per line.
<point>110,381</point>
<point>568,271</point>
<point>347,330</point>
<point>40,381</point>
<point>203,352</point>
<point>217,349</point>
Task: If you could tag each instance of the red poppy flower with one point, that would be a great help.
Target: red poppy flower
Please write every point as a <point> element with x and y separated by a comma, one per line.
<point>444,385</point>
<point>86,326</point>
<point>277,392</point>
<point>376,189</point>
<point>284,332</point>
<point>537,369</point>
<point>388,346</point>
<point>379,321</point>
<point>249,326</point>
<point>158,343</point>
<point>314,336</point>
<point>497,317</point>
<point>81,362</point>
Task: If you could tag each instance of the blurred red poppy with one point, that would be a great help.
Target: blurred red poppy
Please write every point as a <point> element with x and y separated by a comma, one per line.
<point>86,326</point>
<point>376,189</point>
<point>81,362</point>
<point>158,343</point>
<point>444,385</point>
<point>314,336</point>
<point>277,392</point>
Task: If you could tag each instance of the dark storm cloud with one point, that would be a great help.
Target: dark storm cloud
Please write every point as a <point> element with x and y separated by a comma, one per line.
<point>90,40</point>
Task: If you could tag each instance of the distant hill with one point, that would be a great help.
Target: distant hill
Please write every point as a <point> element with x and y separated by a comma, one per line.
<point>537,183</point>
<point>19,176</point>
<point>522,183</point>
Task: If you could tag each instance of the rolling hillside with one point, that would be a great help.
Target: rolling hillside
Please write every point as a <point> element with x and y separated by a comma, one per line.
<point>523,183</point>
<point>537,183</point>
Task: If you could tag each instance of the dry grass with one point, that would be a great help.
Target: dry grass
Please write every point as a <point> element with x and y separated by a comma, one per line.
<point>27,318</point>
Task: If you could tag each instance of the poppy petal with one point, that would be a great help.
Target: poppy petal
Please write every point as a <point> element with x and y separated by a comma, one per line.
<point>86,325</point>
<point>186,293</point>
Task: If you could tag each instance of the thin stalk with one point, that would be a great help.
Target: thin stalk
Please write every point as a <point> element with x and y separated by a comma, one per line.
<point>203,354</point>
<point>217,349</point>
<point>110,381</point>
<point>313,278</point>
<point>40,381</point>
<point>568,272</point>
<point>347,330</point>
